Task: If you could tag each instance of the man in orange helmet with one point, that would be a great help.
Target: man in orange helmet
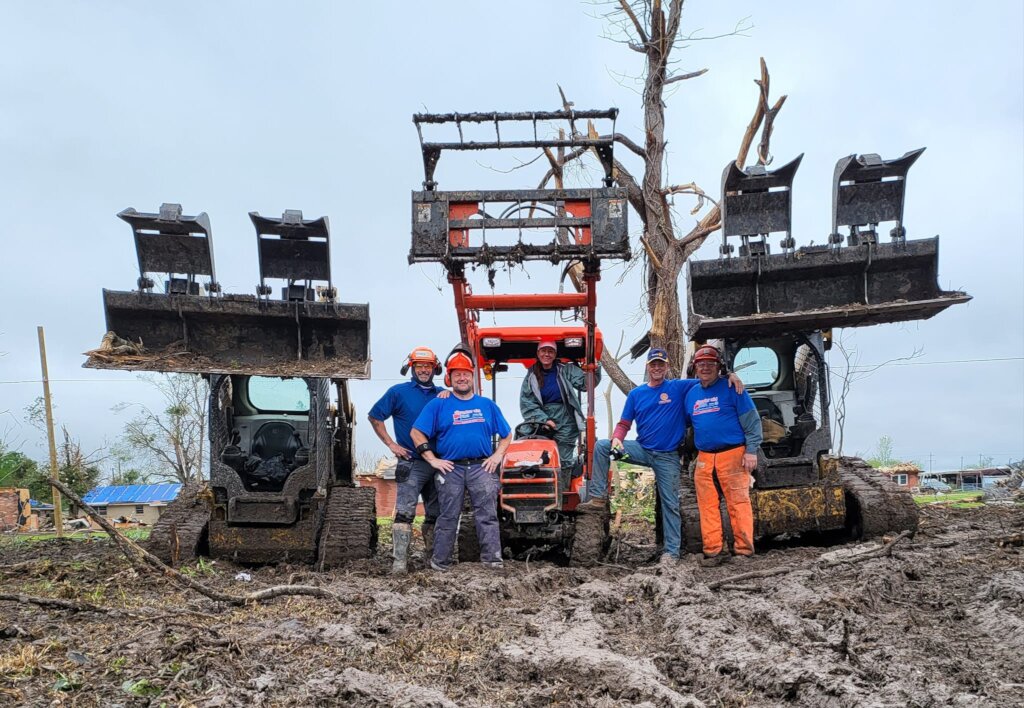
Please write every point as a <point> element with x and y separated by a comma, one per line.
<point>727,433</point>
<point>454,436</point>
<point>413,476</point>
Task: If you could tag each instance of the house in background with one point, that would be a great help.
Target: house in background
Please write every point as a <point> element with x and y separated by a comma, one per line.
<point>382,478</point>
<point>140,502</point>
<point>905,475</point>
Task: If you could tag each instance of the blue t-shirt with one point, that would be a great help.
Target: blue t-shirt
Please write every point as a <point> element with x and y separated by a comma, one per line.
<point>403,402</point>
<point>714,412</point>
<point>462,429</point>
<point>549,391</point>
<point>658,413</point>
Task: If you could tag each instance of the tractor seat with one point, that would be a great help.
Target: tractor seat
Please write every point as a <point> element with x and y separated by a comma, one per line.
<point>276,439</point>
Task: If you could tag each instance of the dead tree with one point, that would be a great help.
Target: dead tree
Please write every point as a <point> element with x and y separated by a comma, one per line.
<point>652,28</point>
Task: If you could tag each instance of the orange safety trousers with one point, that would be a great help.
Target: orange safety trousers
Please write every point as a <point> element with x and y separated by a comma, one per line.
<point>735,483</point>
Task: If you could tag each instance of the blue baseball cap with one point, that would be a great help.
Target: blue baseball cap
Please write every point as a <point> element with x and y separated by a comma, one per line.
<point>657,355</point>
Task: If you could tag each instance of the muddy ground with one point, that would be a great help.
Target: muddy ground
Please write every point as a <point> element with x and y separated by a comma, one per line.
<point>938,621</point>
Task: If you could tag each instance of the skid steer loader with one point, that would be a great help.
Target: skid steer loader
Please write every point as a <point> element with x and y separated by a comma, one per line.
<point>281,458</point>
<point>538,495</point>
<point>772,315</point>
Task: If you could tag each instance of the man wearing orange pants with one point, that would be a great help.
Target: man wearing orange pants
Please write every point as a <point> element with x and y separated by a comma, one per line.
<point>727,433</point>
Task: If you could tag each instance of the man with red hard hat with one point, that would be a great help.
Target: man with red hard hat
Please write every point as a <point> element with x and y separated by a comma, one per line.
<point>727,433</point>
<point>454,436</point>
<point>413,476</point>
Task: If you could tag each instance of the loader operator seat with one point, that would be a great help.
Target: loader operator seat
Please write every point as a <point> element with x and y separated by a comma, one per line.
<point>276,439</point>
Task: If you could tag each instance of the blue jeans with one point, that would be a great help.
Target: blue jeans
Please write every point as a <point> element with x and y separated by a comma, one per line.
<point>666,476</point>
<point>415,478</point>
<point>483,495</point>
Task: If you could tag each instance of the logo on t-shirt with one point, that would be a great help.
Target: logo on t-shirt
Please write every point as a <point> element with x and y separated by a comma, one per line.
<point>473,415</point>
<point>663,399</point>
<point>706,405</point>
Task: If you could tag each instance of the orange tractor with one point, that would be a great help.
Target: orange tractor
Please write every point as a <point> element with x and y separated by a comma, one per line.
<point>539,496</point>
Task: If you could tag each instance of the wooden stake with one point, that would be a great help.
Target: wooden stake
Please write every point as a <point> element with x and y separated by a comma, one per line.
<point>58,514</point>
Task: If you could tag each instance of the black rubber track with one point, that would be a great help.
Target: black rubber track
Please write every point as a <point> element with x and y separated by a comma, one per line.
<point>180,534</point>
<point>874,505</point>
<point>590,538</point>
<point>350,526</point>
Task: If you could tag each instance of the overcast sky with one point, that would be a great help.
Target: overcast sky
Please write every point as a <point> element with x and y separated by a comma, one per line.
<point>230,107</point>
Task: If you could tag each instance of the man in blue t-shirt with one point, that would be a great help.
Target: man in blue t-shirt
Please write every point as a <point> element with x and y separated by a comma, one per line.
<point>413,476</point>
<point>454,437</point>
<point>657,408</point>
<point>727,434</point>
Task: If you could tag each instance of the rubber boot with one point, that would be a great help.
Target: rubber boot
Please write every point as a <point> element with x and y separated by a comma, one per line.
<point>401,535</point>
<point>428,540</point>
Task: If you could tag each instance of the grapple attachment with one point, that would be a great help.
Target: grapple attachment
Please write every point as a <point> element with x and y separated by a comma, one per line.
<point>859,283</point>
<point>515,225</point>
<point>182,330</point>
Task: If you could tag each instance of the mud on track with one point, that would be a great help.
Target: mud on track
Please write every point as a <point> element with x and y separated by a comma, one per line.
<point>939,621</point>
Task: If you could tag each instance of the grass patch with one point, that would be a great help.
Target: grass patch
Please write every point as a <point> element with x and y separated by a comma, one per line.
<point>962,500</point>
<point>42,537</point>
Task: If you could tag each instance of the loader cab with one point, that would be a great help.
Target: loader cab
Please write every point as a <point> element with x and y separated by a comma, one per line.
<point>783,375</point>
<point>268,419</point>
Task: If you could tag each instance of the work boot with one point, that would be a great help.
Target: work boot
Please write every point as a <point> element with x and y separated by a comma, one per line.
<point>438,568</point>
<point>493,565</point>
<point>401,535</point>
<point>715,560</point>
<point>742,558</point>
<point>594,504</point>
<point>428,539</point>
<point>667,560</point>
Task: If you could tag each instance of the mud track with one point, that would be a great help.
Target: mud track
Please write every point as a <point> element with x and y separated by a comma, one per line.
<point>935,619</point>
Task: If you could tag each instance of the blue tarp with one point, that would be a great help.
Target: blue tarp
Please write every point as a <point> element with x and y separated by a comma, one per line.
<point>132,494</point>
<point>40,505</point>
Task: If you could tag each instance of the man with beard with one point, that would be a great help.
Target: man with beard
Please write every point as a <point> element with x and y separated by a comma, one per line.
<point>413,476</point>
<point>454,436</point>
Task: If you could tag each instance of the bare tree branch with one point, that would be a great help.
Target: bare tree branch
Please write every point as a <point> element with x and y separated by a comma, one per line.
<point>636,23</point>
<point>685,77</point>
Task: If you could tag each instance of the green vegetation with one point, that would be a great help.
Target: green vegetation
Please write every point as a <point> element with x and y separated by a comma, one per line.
<point>956,500</point>
<point>634,497</point>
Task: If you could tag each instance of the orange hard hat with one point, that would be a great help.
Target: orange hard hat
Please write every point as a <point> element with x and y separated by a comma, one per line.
<point>421,355</point>
<point>458,360</point>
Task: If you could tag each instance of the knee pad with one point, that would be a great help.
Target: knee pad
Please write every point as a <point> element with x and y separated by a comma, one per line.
<point>402,518</point>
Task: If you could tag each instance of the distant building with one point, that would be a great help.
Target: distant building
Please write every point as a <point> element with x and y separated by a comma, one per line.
<point>904,474</point>
<point>973,479</point>
<point>382,478</point>
<point>141,502</point>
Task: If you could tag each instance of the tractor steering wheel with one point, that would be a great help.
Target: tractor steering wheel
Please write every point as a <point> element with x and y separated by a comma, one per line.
<point>530,429</point>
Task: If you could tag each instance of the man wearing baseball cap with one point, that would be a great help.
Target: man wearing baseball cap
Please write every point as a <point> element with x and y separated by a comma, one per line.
<point>657,408</point>
<point>548,397</point>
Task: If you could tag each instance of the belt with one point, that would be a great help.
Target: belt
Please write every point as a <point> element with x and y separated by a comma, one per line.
<point>467,461</point>
<point>724,449</point>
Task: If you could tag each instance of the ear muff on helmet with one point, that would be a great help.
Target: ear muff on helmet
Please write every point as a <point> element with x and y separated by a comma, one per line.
<point>459,358</point>
<point>421,355</point>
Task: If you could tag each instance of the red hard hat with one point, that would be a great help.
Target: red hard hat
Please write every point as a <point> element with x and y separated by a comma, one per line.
<point>707,353</point>
<point>458,360</point>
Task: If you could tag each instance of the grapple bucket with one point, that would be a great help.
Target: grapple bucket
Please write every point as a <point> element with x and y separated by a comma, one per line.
<point>859,283</point>
<point>181,330</point>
